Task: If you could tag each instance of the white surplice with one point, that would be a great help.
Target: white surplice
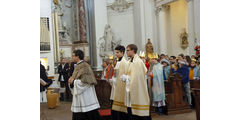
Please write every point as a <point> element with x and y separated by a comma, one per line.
<point>84,97</point>
<point>113,80</point>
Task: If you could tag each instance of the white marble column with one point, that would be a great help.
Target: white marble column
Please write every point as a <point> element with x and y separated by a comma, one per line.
<point>162,29</point>
<point>196,5</point>
<point>139,27</point>
<point>144,23</point>
<point>100,10</point>
<point>150,23</point>
<point>190,30</point>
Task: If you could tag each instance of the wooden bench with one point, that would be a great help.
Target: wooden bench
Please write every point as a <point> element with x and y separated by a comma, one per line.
<point>195,83</point>
<point>174,95</point>
<point>196,93</point>
<point>195,89</point>
<point>103,91</point>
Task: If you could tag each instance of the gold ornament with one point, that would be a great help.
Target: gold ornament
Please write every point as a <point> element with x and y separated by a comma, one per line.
<point>55,2</point>
<point>110,57</point>
<point>184,39</point>
<point>153,56</point>
<point>194,60</point>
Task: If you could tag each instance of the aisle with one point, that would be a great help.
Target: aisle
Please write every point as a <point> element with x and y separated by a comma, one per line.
<point>63,112</point>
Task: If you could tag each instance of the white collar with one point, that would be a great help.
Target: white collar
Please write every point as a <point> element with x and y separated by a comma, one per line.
<point>80,61</point>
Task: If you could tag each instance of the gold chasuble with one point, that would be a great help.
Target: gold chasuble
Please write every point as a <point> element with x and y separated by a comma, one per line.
<point>119,95</point>
<point>139,97</point>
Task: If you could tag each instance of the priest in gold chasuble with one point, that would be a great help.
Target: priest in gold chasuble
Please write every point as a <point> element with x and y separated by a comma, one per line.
<point>136,96</point>
<point>119,110</point>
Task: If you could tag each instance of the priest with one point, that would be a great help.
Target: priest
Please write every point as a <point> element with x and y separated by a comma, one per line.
<point>119,110</point>
<point>82,81</point>
<point>136,96</point>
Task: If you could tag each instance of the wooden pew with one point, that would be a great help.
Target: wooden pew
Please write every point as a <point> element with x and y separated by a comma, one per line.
<point>103,91</point>
<point>195,89</point>
<point>174,95</point>
<point>173,90</point>
<point>195,84</point>
<point>196,94</point>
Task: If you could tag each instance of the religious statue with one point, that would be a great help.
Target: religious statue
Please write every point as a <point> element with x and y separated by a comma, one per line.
<point>184,39</point>
<point>66,33</point>
<point>108,42</point>
<point>108,37</point>
<point>116,43</point>
<point>149,50</point>
<point>61,53</point>
<point>68,3</point>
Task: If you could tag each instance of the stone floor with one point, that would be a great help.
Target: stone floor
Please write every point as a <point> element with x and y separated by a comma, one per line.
<point>63,112</point>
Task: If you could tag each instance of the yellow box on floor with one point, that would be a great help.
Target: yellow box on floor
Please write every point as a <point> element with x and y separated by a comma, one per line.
<point>52,97</point>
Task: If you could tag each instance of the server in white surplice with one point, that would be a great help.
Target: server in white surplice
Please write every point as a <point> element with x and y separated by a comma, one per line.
<point>85,103</point>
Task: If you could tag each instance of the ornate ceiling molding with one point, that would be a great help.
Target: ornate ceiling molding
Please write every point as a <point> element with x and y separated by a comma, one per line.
<point>159,3</point>
<point>120,5</point>
<point>162,8</point>
<point>162,5</point>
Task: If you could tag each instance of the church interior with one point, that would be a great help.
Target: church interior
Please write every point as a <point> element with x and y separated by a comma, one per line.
<point>165,30</point>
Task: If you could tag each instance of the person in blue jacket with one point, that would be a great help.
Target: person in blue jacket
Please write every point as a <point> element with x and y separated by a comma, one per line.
<point>184,71</point>
<point>166,68</point>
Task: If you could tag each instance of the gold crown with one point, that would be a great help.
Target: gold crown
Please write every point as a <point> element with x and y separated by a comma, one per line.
<point>194,60</point>
<point>153,56</point>
<point>141,54</point>
<point>110,57</point>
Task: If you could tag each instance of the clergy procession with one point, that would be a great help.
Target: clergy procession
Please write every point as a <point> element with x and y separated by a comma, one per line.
<point>136,80</point>
<point>119,59</point>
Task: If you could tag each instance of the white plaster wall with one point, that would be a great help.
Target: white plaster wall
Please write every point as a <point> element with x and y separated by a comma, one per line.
<point>122,25</point>
<point>45,8</point>
<point>177,21</point>
<point>196,5</point>
<point>100,10</point>
<point>45,11</point>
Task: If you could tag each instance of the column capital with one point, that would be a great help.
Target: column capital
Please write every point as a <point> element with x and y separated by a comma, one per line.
<point>163,2</point>
<point>162,8</point>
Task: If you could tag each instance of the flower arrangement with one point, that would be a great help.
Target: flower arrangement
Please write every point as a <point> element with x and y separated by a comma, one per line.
<point>197,49</point>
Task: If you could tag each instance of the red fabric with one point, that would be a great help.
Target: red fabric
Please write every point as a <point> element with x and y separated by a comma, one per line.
<point>105,112</point>
<point>147,65</point>
<point>110,72</point>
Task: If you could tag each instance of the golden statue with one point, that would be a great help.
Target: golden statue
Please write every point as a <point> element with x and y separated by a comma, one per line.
<point>149,50</point>
<point>184,39</point>
<point>55,2</point>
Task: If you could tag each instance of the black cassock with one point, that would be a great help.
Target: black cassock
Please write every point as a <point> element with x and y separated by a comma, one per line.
<point>44,77</point>
<point>91,115</point>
